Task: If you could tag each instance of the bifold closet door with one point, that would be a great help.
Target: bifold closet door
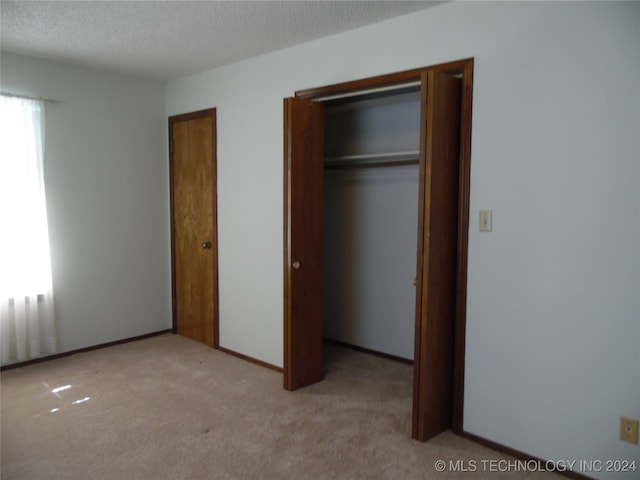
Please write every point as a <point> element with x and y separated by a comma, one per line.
<point>303,194</point>
<point>437,255</point>
<point>436,247</point>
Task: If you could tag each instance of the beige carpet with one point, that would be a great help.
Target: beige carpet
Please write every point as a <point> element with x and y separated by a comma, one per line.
<point>170,408</point>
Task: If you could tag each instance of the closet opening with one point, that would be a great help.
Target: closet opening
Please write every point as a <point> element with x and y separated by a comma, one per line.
<point>370,220</point>
<point>376,215</point>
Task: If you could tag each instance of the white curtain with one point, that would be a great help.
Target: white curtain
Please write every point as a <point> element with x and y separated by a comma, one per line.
<point>27,326</point>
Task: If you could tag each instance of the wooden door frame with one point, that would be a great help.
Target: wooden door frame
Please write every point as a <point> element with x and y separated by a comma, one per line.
<point>207,113</point>
<point>463,69</point>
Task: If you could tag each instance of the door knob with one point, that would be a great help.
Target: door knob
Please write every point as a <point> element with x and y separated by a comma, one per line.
<point>295,265</point>
<point>206,245</point>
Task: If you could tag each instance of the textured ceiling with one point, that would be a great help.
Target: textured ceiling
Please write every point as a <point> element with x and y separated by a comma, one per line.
<point>162,40</point>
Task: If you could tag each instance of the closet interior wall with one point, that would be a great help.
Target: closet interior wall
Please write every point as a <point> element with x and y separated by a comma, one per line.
<point>371,188</point>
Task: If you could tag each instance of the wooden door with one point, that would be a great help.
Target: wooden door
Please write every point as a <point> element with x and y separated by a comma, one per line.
<point>437,255</point>
<point>445,151</point>
<point>303,180</point>
<point>192,140</point>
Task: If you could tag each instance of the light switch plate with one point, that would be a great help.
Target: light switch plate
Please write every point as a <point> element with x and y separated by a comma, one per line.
<point>485,220</point>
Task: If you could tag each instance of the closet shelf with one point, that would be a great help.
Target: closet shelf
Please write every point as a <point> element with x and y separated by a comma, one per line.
<point>373,160</point>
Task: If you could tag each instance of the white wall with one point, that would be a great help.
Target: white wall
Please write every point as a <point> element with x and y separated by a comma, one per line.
<point>370,234</point>
<point>553,341</point>
<point>106,179</point>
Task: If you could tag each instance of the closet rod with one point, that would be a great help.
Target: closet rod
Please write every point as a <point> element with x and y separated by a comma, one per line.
<point>368,158</point>
<point>360,93</point>
<point>359,165</point>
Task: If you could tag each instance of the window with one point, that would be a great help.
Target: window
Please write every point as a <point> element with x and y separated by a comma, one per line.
<point>26,300</point>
